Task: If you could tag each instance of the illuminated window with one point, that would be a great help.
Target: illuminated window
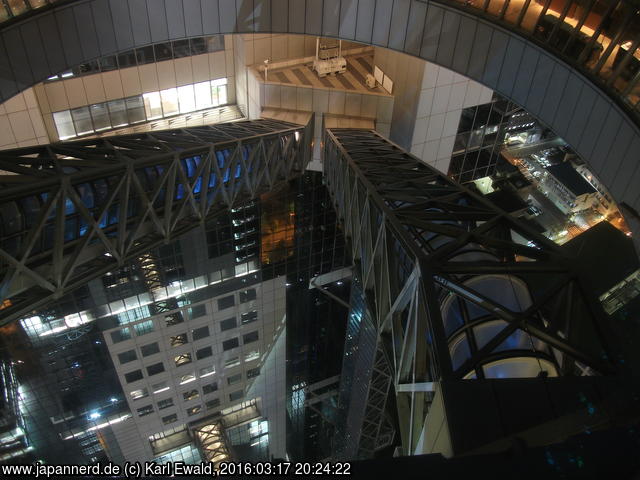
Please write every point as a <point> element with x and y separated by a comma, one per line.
<point>194,410</point>
<point>253,355</point>
<point>146,410</point>
<point>143,328</point>
<point>190,395</point>
<point>190,377</point>
<point>182,359</point>
<point>64,125</point>
<point>169,99</point>
<point>186,99</point>
<point>203,95</point>
<point>206,371</point>
<point>160,387</point>
<point>177,340</point>
<point>249,317</point>
<point>152,105</point>
<point>232,362</point>
<point>138,394</point>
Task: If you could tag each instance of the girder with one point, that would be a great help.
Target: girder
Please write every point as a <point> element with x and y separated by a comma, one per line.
<point>72,211</point>
<point>426,249</point>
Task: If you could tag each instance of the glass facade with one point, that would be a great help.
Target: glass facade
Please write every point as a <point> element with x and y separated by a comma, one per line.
<point>142,56</point>
<point>149,106</point>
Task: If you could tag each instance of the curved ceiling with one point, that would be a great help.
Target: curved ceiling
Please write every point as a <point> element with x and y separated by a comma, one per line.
<point>590,121</point>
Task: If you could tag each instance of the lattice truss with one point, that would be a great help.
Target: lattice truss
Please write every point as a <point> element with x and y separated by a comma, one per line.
<point>76,210</point>
<point>443,268</point>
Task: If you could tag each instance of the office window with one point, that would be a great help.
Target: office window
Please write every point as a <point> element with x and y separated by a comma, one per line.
<point>215,43</point>
<point>160,387</point>
<point>189,377</point>
<point>232,362</point>
<point>143,328</point>
<point>215,403</point>
<point>202,93</point>
<point>133,376</point>
<point>229,344</point>
<point>250,337</point>
<point>226,302</point>
<point>234,378</point>
<point>146,410</point>
<point>233,396</point>
<point>203,353</point>
<point>127,59</point>
<point>82,120</point>
<point>170,419</point>
<point>163,51</point>
<point>135,109</point>
<point>128,356</point>
<point>169,99</point>
<point>252,355</point>
<point>100,116</point>
<point>190,395</point>
<point>166,403</point>
<point>198,46</point>
<point>228,324</point>
<point>149,349</point>
<point>210,388</point>
<point>138,394</point>
<point>186,99</point>
<point>198,311</point>
<point>177,340</point>
<point>206,371</point>
<point>118,113</point>
<point>64,125</point>
<point>145,55</point>
<point>182,359</point>
<point>152,105</point>
<point>247,295</point>
<point>253,372</point>
<point>155,369</point>
<point>194,410</point>
<point>249,317</point>
<point>200,333</point>
<point>173,319</point>
<point>108,63</point>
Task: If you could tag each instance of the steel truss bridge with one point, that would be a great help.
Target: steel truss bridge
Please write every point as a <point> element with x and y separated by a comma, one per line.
<point>450,293</point>
<point>453,288</point>
<point>74,211</point>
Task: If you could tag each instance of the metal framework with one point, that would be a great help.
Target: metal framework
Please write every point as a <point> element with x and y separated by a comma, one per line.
<point>421,242</point>
<point>73,211</point>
